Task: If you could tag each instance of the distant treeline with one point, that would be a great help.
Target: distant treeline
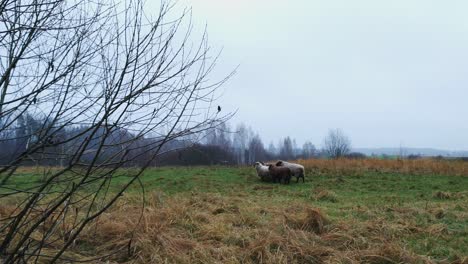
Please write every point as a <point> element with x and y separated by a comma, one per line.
<point>221,145</point>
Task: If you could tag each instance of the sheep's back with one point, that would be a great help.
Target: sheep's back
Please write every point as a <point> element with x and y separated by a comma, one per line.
<point>295,168</point>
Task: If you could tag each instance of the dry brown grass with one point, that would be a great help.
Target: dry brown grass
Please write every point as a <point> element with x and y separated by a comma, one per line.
<point>325,195</point>
<point>413,167</point>
<point>442,195</point>
<point>329,219</point>
<point>211,228</point>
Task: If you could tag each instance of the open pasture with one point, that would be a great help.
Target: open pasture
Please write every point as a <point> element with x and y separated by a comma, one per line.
<point>363,214</point>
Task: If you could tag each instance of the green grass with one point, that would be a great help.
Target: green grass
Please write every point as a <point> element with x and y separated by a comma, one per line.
<point>392,198</point>
<point>406,208</point>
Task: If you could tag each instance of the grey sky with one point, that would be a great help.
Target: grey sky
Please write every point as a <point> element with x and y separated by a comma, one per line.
<point>386,72</point>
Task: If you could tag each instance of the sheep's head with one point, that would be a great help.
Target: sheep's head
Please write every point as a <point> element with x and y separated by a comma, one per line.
<point>279,163</point>
<point>256,164</point>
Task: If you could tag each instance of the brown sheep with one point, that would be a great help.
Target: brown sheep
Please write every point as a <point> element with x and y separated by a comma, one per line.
<point>280,173</point>
<point>296,169</point>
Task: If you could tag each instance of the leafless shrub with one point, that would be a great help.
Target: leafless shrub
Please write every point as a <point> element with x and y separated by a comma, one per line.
<point>337,144</point>
<point>90,87</point>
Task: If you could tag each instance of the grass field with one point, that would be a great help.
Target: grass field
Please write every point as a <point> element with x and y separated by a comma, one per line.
<point>226,215</point>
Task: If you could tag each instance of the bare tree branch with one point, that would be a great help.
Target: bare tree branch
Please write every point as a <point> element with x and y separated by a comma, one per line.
<point>87,89</point>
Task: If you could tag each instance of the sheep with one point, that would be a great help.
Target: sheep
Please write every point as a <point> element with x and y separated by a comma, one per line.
<point>297,170</point>
<point>262,171</point>
<point>280,173</point>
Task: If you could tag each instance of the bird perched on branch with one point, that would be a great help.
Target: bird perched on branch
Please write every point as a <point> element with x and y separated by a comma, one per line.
<point>219,108</point>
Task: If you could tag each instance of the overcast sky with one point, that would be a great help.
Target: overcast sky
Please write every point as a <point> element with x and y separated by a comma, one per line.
<point>386,72</point>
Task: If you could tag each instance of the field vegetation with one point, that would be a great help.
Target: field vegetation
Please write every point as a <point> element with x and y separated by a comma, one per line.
<point>348,211</point>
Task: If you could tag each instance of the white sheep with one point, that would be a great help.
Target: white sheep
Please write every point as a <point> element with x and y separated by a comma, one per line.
<point>262,170</point>
<point>297,170</point>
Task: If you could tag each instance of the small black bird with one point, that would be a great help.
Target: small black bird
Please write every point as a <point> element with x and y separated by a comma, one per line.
<point>219,108</point>
<point>34,100</point>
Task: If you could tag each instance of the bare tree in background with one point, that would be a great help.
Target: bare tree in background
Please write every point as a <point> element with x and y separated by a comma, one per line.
<point>224,136</point>
<point>337,144</point>
<point>296,151</point>
<point>257,150</point>
<point>219,136</point>
<point>241,140</point>
<point>308,150</point>
<point>272,149</point>
<point>286,150</point>
<point>110,87</point>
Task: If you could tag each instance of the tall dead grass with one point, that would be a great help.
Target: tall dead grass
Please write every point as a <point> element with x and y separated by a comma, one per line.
<point>211,228</point>
<point>412,167</point>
